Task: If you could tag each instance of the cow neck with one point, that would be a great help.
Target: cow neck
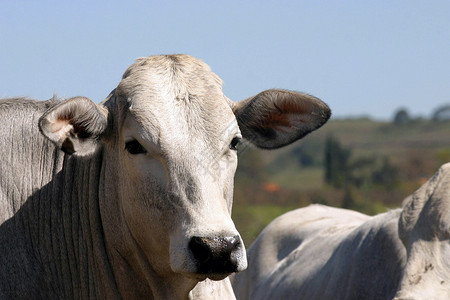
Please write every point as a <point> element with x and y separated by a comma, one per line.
<point>62,220</point>
<point>50,225</point>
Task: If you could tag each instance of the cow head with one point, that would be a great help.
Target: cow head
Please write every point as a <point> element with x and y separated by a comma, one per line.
<point>171,143</point>
<point>424,229</point>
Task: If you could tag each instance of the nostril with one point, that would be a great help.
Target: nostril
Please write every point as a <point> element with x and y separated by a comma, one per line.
<point>215,255</point>
<point>200,249</point>
<point>232,241</point>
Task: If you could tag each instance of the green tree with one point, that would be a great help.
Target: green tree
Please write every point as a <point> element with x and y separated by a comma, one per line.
<point>441,113</point>
<point>349,200</point>
<point>341,170</point>
<point>304,156</point>
<point>386,174</point>
<point>336,162</point>
<point>401,117</point>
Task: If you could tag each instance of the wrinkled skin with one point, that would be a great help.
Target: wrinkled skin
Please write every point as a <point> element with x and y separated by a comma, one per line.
<point>424,229</point>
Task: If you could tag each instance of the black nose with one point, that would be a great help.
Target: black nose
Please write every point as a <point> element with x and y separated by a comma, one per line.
<point>215,255</point>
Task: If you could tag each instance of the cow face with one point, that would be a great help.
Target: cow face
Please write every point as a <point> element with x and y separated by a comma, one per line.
<point>179,137</point>
<point>424,229</point>
<point>173,135</point>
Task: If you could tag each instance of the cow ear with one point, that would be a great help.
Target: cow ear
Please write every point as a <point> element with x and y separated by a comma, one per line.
<point>276,118</point>
<point>75,125</point>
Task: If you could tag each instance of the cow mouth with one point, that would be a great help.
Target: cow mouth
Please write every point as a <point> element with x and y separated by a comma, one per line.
<point>211,276</point>
<point>218,277</point>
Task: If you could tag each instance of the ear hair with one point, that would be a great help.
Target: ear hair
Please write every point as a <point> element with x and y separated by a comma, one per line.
<point>75,125</point>
<point>275,118</point>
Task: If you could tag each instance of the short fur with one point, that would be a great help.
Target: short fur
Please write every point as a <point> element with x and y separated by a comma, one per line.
<point>96,221</point>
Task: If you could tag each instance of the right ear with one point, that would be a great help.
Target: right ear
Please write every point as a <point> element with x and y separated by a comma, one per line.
<point>75,126</point>
<point>276,118</point>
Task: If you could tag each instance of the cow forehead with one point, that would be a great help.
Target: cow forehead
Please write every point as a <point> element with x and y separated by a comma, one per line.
<point>176,92</point>
<point>181,76</point>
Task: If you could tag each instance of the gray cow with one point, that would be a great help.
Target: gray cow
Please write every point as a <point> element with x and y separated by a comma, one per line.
<point>137,204</point>
<point>320,252</point>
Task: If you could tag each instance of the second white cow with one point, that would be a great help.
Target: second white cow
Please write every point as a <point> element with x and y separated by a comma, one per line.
<point>320,252</point>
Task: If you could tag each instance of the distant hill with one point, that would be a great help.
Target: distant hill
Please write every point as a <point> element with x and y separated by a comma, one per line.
<point>385,163</point>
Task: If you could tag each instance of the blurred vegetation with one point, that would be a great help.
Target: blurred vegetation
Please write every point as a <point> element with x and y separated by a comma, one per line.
<point>359,164</point>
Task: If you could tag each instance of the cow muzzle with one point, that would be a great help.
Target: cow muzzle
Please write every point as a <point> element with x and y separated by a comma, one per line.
<point>217,257</point>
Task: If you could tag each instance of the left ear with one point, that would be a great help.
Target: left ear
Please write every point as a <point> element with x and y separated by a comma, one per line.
<point>75,126</point>
<point>276,118</point>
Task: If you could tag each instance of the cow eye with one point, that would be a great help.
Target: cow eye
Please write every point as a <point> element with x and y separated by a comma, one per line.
<point>234,142</point>
<point>133,147</point>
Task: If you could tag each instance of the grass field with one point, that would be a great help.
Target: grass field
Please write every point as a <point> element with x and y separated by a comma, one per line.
<point>416,150</point>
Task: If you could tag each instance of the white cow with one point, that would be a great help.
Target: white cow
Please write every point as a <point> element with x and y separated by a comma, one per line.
<point>137,204</point>
<point>320,252</point>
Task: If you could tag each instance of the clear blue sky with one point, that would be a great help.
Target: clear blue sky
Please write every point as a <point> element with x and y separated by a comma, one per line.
<point>361,57</point>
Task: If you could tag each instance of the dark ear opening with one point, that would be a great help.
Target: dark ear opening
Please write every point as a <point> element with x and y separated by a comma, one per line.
<point>276,118</point>
<point>75,125</point>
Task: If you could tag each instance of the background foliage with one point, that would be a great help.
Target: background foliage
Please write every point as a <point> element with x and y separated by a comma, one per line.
<point>360,164</point>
